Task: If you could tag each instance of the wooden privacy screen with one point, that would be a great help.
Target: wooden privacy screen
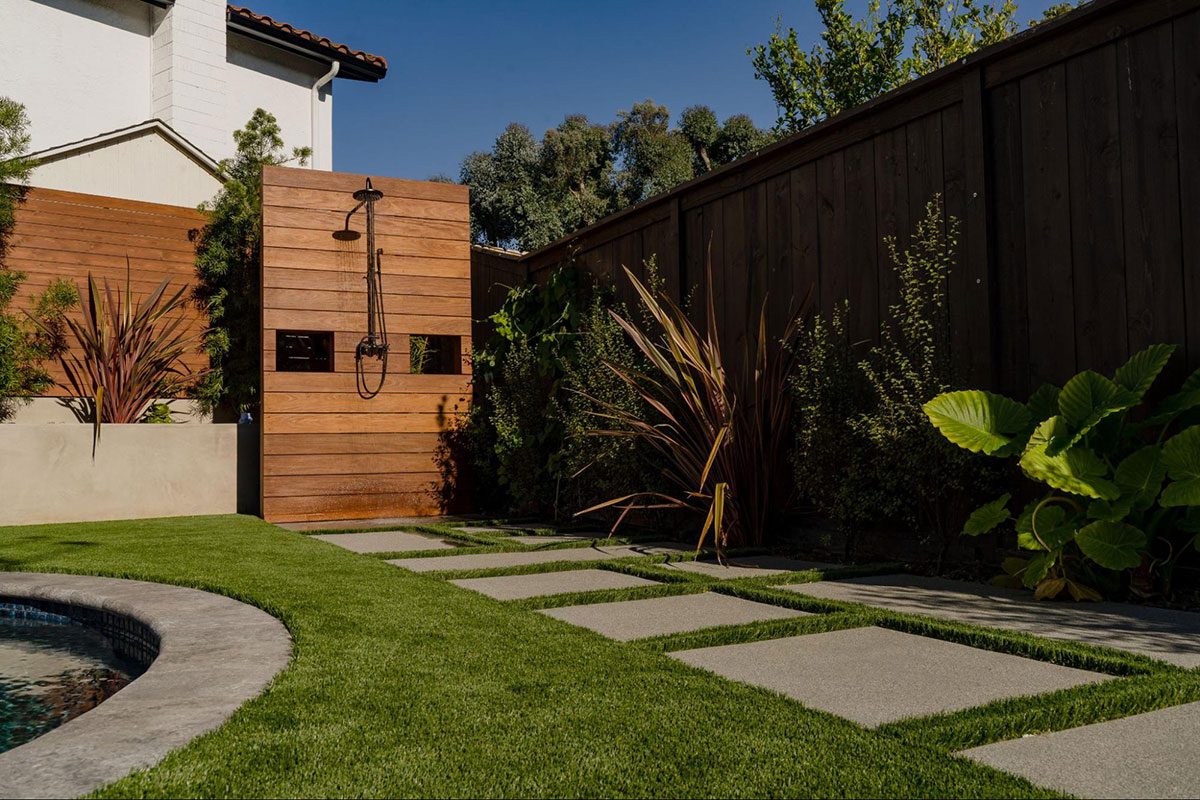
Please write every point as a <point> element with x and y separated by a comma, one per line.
<point>67,235</point>
<point>1070,154</point>
<point>327,452</point>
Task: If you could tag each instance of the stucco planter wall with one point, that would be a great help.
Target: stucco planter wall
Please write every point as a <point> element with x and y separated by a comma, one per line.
<point>48,473</point>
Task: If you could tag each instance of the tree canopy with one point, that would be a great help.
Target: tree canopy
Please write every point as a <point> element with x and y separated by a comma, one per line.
<point>526,192</point>
<point>859,58</point>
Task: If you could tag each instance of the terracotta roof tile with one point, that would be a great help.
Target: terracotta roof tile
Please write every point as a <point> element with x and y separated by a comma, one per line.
<point>246,14</point>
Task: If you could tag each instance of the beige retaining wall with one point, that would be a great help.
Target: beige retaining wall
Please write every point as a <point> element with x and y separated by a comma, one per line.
<point>47,473</point>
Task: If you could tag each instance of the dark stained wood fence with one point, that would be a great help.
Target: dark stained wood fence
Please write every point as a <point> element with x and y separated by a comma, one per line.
<point>68,235</point>
<point>1070,154</point>
<point>493,273</point>
<point>328,453</point>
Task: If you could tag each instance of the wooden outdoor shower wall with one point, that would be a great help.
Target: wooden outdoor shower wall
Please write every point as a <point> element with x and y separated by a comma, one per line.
<point>1070,155</point>
<point>67,235</point>
<point>328,453</point>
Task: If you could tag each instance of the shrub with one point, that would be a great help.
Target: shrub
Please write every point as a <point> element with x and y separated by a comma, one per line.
<point>865,453</point>
<point>593,468</point>
<point>26,343</point>
<point>1108,509</point>
<point>228,263</point>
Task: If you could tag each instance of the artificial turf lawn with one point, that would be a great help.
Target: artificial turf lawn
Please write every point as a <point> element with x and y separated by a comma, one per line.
<point>402,684</point>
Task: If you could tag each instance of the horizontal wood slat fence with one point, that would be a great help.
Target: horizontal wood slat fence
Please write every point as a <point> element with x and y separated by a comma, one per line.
<point>67,235</point>
<point>1070,154</point>
<point>328,453</point>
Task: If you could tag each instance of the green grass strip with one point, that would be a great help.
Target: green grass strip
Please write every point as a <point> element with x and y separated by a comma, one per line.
<point>1055,711</point>
<point>719,635</point>
<point>607,595</point>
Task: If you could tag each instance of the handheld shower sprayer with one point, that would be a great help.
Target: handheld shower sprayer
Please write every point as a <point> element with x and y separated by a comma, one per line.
<point>375,343</point>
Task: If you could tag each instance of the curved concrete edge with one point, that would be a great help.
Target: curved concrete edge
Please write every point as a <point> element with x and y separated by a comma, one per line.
<point>215,653</point>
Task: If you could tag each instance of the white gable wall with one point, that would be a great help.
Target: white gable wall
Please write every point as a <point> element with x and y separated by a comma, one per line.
<point>80,67</point>
<point>87,67</point>
<point>143,166</point>
<point>262,76</point>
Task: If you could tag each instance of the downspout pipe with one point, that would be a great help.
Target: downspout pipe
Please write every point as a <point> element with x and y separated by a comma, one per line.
<point>316,102</point>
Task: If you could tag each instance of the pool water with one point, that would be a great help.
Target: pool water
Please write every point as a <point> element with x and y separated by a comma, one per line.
<point>52,669</point>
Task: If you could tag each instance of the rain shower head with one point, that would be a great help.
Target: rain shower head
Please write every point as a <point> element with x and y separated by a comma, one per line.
<point>364,196</point>
<point>369,193</point>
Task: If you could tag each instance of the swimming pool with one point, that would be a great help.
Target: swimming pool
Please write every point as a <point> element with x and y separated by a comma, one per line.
<point>52,669</point>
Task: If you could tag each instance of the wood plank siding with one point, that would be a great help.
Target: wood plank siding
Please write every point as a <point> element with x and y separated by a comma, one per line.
<point>327,452</point>
<point>68,235</point>
<point>1070,154</point>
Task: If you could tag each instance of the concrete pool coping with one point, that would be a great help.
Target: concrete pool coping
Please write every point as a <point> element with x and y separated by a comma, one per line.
<point>214,654</point>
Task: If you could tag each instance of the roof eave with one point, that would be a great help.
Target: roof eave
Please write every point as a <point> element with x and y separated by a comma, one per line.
<point>351,67</point>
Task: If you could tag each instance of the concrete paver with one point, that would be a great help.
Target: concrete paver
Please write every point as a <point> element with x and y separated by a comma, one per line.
<point>1147,755</point>
<point>873,676</point>
<point>518,587</point>
<point>384,541</point>
<point>1173,636</point>
<point>638,619</point>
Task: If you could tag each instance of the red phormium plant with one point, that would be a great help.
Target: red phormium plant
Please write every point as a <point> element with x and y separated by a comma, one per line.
<point>722,435</point>
<point>128,353</point>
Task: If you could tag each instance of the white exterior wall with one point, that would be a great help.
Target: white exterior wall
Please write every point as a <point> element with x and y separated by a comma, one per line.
<point>80,67</point>
<point>143,166</point>
<point>87,67</point>
<point>261,76</point>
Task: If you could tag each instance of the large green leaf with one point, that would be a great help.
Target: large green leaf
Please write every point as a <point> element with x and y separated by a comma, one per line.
<point>987,516</point>
<point>1112,545</point>
<point>1181,455</point>
<point>1138,373</point>
<point>1054,527</point>
<point>1038,566</point>
<point>981,422</point>
<point>1078,471</point>
<point>1085,400</point>
<point>1043,404</point>
<point>1187,398</point>
<point>1140,476</point>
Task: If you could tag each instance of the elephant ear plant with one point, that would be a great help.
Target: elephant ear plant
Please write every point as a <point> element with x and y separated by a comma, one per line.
<point>1124,480</point>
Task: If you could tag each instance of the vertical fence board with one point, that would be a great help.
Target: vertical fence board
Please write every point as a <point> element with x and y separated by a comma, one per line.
<point>1187,100</point>
<point>1047,226</point>
<point>1097,242</point>
<point>861,241</point>
<point>1150,183</point>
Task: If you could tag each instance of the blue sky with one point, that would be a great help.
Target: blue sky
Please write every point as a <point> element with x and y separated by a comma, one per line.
<point>458,72</point>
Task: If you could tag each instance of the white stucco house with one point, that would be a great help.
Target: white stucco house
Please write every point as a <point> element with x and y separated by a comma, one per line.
<point>139,99</point>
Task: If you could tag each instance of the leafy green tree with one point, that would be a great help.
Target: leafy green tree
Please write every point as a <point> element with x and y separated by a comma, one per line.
<point>527,193</point>
<point>24,345</point>
<point>714,144</point>
<point>948,31</point>
<point>654,158</point>
<point>739,137</point>
<point>14,165</point>
<point>700,127</point>
<point>228,263</point>
<point>861,58</point>
<point>856,60</point>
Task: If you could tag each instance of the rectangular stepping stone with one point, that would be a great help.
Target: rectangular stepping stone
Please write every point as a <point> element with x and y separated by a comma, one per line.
<point>555,538</point>
<point>383,541</point>
<point>376,522</point>
<point>658,616</point>
<point>873,676</point>
<point>1169,635</point>
<point>748,567</point>
<point>503,560</point>
<point>518,587</point>
<point>1147,755</point>
<point>520,559</point>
